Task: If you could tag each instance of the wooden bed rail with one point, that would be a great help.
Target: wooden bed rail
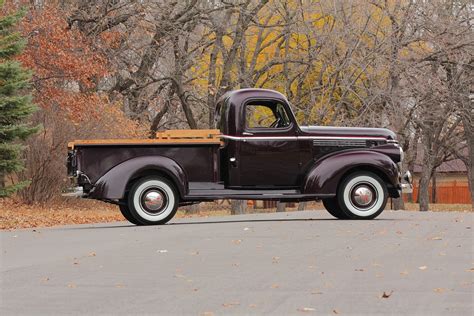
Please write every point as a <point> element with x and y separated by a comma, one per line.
<point>177,136</point>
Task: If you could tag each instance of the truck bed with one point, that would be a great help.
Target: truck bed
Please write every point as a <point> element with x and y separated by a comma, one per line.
<point>194,150</point>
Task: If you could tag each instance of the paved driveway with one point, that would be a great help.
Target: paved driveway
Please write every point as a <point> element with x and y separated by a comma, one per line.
<point>281,263</point>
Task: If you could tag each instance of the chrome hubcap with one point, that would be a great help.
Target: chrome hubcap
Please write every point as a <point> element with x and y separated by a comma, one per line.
<point>363,196</point>
<point>153,200</point>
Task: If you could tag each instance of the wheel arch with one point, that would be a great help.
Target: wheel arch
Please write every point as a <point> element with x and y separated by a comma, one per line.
<point>115,182</point>
<point>326,175</point>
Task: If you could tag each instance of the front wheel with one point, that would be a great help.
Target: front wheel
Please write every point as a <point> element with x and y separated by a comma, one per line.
<point>362,195</point>
<point>126,213</point>
<point>153,201</point>
<point>334,209</point>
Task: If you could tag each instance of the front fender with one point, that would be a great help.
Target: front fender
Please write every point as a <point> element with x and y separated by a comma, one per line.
<point>111,185</point>
<point>325,175</point>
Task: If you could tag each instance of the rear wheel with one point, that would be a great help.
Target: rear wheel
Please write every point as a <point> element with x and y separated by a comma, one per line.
<point>362,195</point>
<point>334,209</point>
<point>152,201</point>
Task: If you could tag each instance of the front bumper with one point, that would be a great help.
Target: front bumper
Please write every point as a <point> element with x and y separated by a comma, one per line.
<point>407,188</point>
<point>74,192</point>
<point>407,183</point>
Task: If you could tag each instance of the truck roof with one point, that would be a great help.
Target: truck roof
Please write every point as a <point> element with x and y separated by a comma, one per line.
<point>236,96</point>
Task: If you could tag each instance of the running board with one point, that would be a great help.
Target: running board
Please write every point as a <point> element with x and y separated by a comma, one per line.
<point>234,194</point>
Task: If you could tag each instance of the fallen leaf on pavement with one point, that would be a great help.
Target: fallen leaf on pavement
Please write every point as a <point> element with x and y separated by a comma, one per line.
<point>119,285</point>
<point>335,311</point>
<point>91,254</point>
<point>423,267</point>
<point>404,273</point>
<point>71,285</point>
<point>387,295</point>
<point>275,286</point>
<point>438,290</point>
<point>236,241</point>
<point>231,304</point>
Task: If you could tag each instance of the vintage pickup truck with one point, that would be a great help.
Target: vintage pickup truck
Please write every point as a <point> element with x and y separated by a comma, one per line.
<point>256,152</point>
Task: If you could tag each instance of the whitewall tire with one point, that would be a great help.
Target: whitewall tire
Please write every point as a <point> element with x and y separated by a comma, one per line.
<point>153,201</point>
<point>334,209</point>
<point>362,195</point>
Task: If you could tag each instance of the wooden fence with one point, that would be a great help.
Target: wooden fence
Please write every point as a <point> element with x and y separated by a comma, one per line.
<point>452,192</point>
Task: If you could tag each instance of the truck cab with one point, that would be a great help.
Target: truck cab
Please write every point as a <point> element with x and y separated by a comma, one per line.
<point>256,151</point>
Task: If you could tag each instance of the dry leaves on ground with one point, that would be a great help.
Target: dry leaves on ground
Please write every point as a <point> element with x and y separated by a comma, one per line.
<point>387,295</point>
<point>14,214</point>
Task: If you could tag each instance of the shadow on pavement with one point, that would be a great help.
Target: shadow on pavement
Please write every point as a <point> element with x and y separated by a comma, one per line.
<point>233,221</point>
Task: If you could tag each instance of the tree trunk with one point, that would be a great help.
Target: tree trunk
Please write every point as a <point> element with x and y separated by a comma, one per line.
<point>468,125</point>
<point>281,207</point>
<point>302,206</point>
<point>192,209</point>
<point>470,177</point>
<point>237,207</point>
<point>423,190</point>
<point>157,119</point>
<point>398,204</point>
<point>433,187</point>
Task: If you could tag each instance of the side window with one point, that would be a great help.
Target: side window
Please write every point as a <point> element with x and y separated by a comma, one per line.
<point>266,114</point>
<point>259,116</point>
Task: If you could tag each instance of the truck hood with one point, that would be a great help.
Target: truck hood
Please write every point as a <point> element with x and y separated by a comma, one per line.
<point>348,131</point>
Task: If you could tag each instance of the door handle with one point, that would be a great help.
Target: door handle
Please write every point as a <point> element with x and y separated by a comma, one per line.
<point>247,134</point>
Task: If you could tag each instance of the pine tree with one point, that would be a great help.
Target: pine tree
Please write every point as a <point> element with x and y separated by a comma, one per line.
<point>15,102</point>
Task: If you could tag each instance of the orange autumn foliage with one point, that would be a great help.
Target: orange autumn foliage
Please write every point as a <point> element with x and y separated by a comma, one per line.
<point>66,66</point>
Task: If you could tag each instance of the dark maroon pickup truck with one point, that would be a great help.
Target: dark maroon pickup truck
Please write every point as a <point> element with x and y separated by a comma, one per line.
<point>257,152</point>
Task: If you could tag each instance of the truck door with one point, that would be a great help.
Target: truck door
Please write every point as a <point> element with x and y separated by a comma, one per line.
<point>268,153</point>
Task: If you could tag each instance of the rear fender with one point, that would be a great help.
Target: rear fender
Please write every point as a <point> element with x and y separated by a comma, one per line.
<point>112,185</point>
<point>326,174</point>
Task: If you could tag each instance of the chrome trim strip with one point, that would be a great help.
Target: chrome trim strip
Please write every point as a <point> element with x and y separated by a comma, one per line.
<point>301,137</point>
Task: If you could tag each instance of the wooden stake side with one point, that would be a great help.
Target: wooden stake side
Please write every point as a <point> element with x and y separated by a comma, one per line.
<point>178,137</point>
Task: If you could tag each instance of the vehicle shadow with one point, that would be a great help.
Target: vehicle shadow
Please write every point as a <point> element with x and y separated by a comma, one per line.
<point>230,221</point>
<point>254,221</point>
<point>276,220</point>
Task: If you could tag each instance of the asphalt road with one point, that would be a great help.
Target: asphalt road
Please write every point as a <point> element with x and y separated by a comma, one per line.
<point>280,264</point>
